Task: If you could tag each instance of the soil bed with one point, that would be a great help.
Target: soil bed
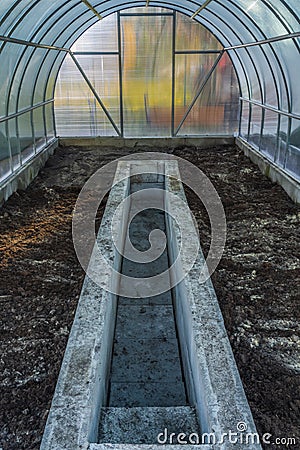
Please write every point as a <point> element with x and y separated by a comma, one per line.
<point>257,284</point>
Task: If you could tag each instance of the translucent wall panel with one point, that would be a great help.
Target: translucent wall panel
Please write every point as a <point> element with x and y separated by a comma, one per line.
<point>25,136</point>
<point>252,74</point>
<point>5,162</point>
<point>147,75</point>
<point>34,61</point>
<point>240,71</point>
<point>190,73</point>
<point>279,78</point>
<point>49,122</point>
<point>262,16</point>
<point>282,140</point>
<point>99,38</point>
<point>16,9</point>
<point>268,144</point>
<point>289,17</point>
<point>41,78</point>
<point>39,128</point>
<point>289,57</point>
<point>77,111</point>
<point>293,154</point>
<point>14,144</point>
<point>216,110</point>
<point>53,74</point>
<point>9,58</point>
<point>146,101</point>
<point>191,36</point>
<point>245,117</point>
<point>255,126</point>
<point>265,75</point>
<point>17,83</point>
<point>103,73</point>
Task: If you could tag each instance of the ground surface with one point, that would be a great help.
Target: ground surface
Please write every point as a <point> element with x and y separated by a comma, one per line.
<point>257,283</point>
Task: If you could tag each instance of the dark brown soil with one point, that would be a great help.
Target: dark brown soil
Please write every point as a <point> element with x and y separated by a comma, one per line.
<point>257,283</point>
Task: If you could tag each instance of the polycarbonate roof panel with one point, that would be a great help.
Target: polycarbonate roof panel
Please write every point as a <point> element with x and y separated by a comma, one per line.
<point>262,16</point>
<point>233,22</point>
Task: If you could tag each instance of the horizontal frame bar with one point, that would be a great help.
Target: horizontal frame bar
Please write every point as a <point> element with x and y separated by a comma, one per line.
<point>94,11</point>
<point>95,53</point>
<point>32,44</point>
<point>197,52</point>
<point>144,14</point>
<point>265,41</point>
<point>26,110</point>
<point>271,108</point>
<point>205,4</point>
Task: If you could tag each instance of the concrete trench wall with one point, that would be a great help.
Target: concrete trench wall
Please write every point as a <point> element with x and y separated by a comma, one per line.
<point>271,170</point>
<point>23,176</point>
<point>212,379</point>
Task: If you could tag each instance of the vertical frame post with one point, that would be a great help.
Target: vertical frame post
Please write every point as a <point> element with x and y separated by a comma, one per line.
<point>120,74</point>
<point>173,75</point>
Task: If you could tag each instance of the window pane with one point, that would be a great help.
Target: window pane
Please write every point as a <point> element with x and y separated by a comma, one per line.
<point>268,143</point>
<point>147,75</point>
<point>99,38</point>
<point>293,154</point>
<point>190,35</point>
<point>255,126</point>
<point>49,122</point>
<point>26,138</point>
<point>245,120</point>
<point>14,143</point>
<point>5,169</point>
<point>77,111</point>
<point>282,140</point>
<point>216,110</point>
<point>39,131</point>
<point>289,56</point>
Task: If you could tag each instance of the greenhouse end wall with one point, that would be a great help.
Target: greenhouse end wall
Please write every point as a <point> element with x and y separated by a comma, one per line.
<point>174,81</point>
<point>177,80</point>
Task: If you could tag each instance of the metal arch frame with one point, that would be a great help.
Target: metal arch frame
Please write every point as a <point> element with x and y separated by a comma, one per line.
<point>242,62</point>
<point>114,9</point>
<point>263,97</point>
<point>21,18</point>
<point>28,63</point>
<point>200,90</point>
<point>268,61</point>
<point>286,85</point>
<point>200,20</point>
<point>38,74</point>
<point>137,2</point>
<point>174,28</point>
<point>228,26</point>
<point>275,83</point>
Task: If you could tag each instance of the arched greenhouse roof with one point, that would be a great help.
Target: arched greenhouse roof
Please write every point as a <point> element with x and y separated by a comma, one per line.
<point>261,36</point>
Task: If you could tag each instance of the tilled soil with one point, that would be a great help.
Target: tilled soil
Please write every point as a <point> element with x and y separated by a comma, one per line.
<point>257,284</point>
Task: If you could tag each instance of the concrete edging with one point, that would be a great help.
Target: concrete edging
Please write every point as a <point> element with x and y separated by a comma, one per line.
<point>272,171</point>
<point>213,381</point>
<point>119,142</point>
<point>26,174</point>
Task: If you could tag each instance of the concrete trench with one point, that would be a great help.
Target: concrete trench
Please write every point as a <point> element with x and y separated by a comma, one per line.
<point>140,371</point>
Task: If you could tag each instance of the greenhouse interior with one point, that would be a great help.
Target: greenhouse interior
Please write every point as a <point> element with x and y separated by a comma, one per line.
<point>206,91</point>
